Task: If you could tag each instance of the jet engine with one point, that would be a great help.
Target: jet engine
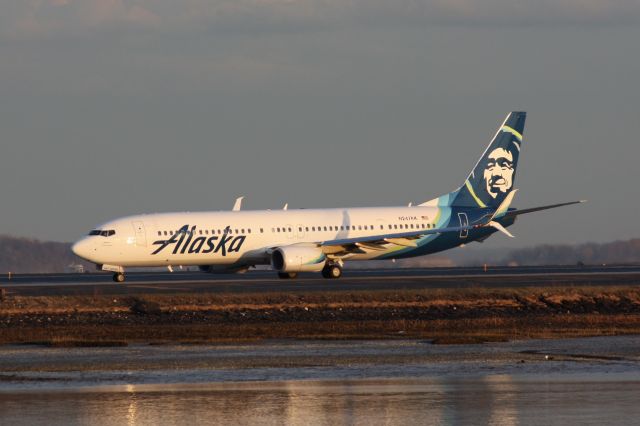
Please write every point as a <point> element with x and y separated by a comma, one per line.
<point>298,259</point>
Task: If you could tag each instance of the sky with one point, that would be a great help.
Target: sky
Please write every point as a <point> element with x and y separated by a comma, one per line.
<point>116,107</point>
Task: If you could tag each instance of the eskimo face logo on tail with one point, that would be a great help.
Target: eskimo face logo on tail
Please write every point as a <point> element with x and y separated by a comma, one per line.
<point>183,242</point>
<point>498,173</point>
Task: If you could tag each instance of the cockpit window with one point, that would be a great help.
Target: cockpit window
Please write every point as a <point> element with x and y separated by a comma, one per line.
<point>103,233</point>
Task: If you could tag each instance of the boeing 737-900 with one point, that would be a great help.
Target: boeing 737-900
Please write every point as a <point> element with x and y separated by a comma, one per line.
<point>319,240</point>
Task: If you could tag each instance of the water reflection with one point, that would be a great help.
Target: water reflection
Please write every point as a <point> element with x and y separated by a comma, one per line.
<point>495,400</point>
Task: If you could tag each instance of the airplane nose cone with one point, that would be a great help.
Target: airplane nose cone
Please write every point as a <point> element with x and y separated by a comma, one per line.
<point>81,248</point>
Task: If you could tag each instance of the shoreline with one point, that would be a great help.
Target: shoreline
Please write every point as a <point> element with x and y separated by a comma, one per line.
<point>443,316</point>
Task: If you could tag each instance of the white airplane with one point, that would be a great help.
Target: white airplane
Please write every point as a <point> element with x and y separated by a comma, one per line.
<point>319,240</point>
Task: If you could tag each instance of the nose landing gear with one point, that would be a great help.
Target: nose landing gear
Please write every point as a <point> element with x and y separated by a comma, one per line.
<point>118,277</point>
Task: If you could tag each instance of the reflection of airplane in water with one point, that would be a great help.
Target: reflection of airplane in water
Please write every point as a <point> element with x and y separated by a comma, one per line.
<point>320,240</point>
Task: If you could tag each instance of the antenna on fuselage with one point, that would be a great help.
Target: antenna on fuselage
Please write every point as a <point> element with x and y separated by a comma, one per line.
<point>286,205</point>
<point>238,204</point>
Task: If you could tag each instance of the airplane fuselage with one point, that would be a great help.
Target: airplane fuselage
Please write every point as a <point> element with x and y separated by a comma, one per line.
<point>244,238</point>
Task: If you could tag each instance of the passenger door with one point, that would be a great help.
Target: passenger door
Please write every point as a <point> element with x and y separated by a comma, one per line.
<point>141,236</point>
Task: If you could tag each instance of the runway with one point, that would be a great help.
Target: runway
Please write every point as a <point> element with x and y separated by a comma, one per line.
<point>352,280</point>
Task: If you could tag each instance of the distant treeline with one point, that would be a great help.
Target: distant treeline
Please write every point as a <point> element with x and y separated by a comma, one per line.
<point>23,255</point>
<point>617,252</point>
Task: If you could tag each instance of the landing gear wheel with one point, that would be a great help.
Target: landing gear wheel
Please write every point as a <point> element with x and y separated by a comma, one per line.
<point>332,271</point>
<point>287,275</point>
<point>118,277</point>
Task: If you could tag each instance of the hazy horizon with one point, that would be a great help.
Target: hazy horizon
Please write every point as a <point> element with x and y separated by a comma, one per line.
<point>122,107</point>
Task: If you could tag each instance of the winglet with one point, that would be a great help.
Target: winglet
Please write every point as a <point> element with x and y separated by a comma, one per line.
<point>500,228</point>
<point>238,204</point>
<point>504,206</point>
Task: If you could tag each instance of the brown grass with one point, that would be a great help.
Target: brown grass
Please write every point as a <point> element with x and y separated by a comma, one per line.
<point>444,315</point>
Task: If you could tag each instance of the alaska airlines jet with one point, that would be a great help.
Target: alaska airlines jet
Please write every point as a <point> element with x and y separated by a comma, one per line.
<point>319,240</point>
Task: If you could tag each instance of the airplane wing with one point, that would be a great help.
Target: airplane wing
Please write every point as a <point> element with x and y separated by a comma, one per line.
<point>407,239</point>
<point>514,213</point>
<point>399,238</point>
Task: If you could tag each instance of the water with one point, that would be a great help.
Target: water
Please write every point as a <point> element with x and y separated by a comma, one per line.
<point>574,381</point>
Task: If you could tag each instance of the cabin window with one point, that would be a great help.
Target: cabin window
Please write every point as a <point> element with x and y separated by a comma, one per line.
<point>289,229</point>
<point>306,228</point>
<point>159,233</point>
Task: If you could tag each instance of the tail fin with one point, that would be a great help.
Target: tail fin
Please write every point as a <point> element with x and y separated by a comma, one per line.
<point>493,176</point>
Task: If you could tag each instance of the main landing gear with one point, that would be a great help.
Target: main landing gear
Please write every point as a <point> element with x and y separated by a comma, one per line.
<point>332,270</point>
<point>118,277</point>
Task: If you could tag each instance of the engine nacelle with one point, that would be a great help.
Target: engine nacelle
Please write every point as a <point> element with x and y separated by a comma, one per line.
<point>298,259</point>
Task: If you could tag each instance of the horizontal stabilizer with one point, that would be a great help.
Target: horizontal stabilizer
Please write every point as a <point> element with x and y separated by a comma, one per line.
<point>514,213</point>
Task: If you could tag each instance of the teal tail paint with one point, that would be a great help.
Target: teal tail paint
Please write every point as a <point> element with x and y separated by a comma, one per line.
<point>494,174</point>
